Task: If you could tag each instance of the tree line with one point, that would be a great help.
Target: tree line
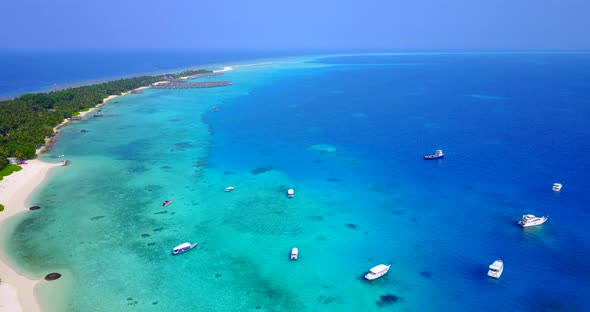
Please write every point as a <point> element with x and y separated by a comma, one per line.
<point>26,121</point>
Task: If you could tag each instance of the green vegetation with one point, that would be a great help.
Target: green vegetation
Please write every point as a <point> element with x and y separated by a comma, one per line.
<point>8,170</point>
<point>26,121</point>
<point>189,72</point>
<point>1,209</point>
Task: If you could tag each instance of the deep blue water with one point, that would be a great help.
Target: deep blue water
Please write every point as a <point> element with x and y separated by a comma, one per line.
<point>348,134</point>
<point>511,125</point>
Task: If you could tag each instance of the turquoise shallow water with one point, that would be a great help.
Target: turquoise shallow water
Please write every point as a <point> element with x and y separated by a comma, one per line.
<point>348,135</point>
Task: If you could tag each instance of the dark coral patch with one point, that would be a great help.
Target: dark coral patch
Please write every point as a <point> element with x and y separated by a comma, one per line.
<point>227,172</point>
<point>427,274</point>
<point>144,235</point>
<point>325,299</point>
<point>137,169</point>
<point>387,300</point>
<point>183,145</point>
<point>151,244</point>
<point>96,218</point>
<point>201,163</point>
<point>34,208</point>
<point>158,229</point>
<point>261,170</point>
<point>161,212</point>
<point>333,180</point>
<point>351,226</point>
<point>397,212</point>
<point>52,276</point>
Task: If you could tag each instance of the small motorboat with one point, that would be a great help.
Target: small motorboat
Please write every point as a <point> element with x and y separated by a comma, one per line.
<point>166,203</point>
<point>215,109</point>
<point>229,188</point>
<point>60,156</point>
<point>438,154</point>
<point>556,187</point>
<point>294,253</point>
<point>532,220</point>
<point>377,271</point>
<point>184,247</point>
<point>290,193</point>
<point>496,269</point>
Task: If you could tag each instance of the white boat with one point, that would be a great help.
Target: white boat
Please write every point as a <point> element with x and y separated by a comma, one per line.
<point>531,220</point>
<point>496,269</point>
<point>229,188</point>
<point>290,193</point>
<point>438,154</point>
<point>294,253</point>
<point>557,187</point>
<point>377,271</point>
<point>184,247</point>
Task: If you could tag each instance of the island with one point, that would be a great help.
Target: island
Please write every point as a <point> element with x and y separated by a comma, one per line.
<point>30,121</point>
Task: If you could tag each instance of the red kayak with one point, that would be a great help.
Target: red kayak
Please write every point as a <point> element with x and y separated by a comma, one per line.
<point>166,203</point>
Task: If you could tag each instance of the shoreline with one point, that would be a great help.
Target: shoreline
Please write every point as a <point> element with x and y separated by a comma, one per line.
<point>17,291</point>
<point>65,122</point>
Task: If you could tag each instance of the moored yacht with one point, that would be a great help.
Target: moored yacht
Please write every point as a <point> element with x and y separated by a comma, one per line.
<point>184,247</point>
<point>496,269</point>
<point>556,187</point>
<point>229,188</point>
<point>531,220</point>
<point>377,271</point>
<point>438,154</point>
<point>294,253</point>
<point>291,193</point>
<point>166,203</point>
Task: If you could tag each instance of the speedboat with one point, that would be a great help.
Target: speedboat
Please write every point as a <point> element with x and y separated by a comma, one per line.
<point>377,271</point>
<point>166,203</point>
<point>294,253</point>
<point>438,154</point>
<point>531,220</point>
<point>229,188</point>
<point>496,269</point>
<point>184,247</point>
<point>290,193</point>
<point>556,187</point>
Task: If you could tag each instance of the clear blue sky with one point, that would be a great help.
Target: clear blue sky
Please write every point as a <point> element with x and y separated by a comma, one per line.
<point>346,24</point>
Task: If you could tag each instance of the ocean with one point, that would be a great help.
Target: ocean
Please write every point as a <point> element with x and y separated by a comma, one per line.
<point>25,71</point>
<point>347,133</point>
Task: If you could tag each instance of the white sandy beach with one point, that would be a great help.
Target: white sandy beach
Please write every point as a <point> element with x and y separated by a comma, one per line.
<point>17,292</point>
